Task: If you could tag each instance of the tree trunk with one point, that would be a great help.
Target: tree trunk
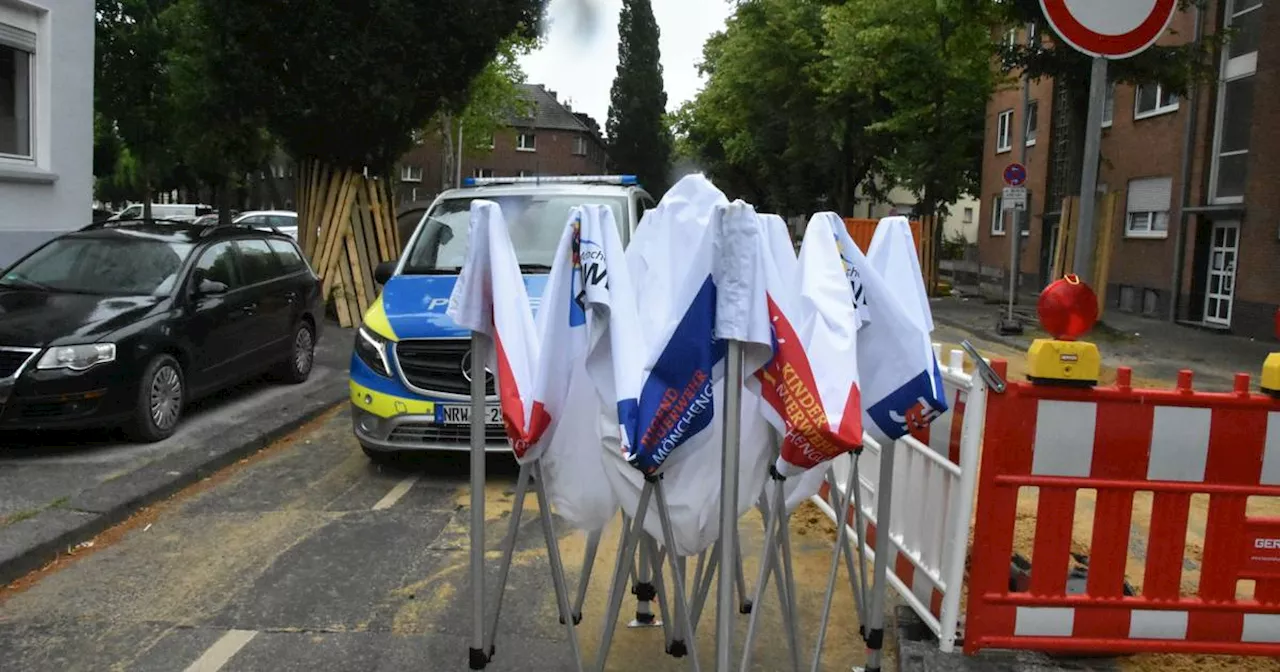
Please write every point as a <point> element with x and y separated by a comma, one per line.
<point>146,198</point>
<point>224,202</point>
<point>346,227</point>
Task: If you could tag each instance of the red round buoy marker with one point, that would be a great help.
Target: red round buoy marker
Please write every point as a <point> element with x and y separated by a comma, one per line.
<point>1068,308</point>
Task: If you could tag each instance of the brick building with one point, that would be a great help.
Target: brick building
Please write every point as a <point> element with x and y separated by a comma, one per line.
<point>1196,176</point>
<point>552,140</point>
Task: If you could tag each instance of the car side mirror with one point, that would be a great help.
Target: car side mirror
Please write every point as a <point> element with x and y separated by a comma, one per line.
<point>382,272</point>
<point>210,288</point>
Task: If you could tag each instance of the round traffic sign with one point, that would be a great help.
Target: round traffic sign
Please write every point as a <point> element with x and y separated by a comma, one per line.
<point>1113,30</point>
<point>1015,174</point>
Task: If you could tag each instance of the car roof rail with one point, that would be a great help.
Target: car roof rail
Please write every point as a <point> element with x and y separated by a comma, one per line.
<point>112,223</point>
<point>210,229</point>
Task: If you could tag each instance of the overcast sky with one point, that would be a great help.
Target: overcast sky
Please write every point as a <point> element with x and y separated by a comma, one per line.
<point>579,57</point>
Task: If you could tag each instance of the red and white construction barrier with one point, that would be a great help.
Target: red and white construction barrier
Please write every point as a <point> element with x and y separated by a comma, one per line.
<point>933,492</point>
<point>1120,441</point>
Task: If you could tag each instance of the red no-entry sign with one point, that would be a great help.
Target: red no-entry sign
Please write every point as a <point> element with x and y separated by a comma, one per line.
<point>1112,29</point>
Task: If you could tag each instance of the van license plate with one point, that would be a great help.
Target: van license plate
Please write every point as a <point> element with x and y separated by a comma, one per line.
<point>460,414</point>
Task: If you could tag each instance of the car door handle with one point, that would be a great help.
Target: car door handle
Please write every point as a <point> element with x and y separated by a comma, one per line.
<point>291,297</point>
<point>249,309</point>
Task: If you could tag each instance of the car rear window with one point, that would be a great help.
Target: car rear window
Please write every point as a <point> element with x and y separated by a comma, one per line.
<point>257,262</point>
<point>536,222</point>
<point>288,255</point>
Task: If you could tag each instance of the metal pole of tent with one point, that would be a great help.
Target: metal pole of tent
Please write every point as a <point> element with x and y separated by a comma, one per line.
<point>682,604</point>
<point>621,572</point>
<point>840,504</point>
<point>478,657</point>
<point>508,551</point>
<point>762,581</point>
<point>655,558</point>
<point>678,647</point>
<point>884,550</point>
<point>588,561</point>
<point>644,589</point>
<point>553,558</point>
<point>728,504</point>
<point>744,602</point>
<point>789,584</point>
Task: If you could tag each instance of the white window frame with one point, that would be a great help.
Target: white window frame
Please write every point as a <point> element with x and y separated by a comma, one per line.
<point>1011,38</point>
<point>1004,131</point>
<point>997,217</point>
<point>523,145</point>
<point>1026,123</point>
<point>1158,109</point>
<point>579,141</point>
<point>525,173</point>
<point>968,216</point>
<point>410,173</point>
<point>482,172</point>
<point>25,26</point>
<point>1109,105</point>
<point>1147,217</point>
<point>1240,67</point>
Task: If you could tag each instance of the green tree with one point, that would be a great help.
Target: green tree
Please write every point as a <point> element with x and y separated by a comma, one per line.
<point>131,86</point>
<point>929,61</point>
<point>217,139</point>
<point>773,125</point>
<point>487,105</point>
<point>639,140</point>
<point>346,85</point>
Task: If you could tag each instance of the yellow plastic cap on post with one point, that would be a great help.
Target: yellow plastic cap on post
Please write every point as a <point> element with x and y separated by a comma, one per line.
<point>1054,362</point>
<point>1270,382</point>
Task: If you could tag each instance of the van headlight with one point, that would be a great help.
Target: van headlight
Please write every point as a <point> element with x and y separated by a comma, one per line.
<point>77,357</point>
<point>372,350</point>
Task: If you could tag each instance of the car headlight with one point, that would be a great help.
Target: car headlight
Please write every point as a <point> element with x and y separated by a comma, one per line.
<point>372,350</point>
<point>77,357</point>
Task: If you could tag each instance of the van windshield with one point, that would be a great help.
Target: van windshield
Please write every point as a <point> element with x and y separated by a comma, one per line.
<point>536,222</point>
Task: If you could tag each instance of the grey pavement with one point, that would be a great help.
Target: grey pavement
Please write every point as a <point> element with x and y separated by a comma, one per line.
<point>1154,349</point>
<point>59,488</point>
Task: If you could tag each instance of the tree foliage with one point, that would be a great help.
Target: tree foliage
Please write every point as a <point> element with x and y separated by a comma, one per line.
<point>638,137</point>
<point>349,83</point>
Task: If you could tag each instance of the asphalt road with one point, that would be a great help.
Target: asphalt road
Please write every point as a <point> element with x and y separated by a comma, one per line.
<point>307,556</point>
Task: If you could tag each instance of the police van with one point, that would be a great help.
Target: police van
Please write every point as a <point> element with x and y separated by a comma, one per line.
<point>411,364</point>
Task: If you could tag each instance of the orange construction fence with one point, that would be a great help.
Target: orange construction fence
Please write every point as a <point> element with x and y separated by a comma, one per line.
<point>1164,447</point>
<point>862,230</point>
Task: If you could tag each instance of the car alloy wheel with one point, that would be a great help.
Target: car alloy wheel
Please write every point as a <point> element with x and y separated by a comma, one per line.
<point>166,397</point>
<point>303,351</point>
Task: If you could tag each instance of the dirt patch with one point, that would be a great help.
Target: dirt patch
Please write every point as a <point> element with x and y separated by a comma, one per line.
<point>809,521</point>
<point>148,514</point>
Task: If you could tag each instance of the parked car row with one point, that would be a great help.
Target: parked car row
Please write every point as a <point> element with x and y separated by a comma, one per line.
<point>125,322</point>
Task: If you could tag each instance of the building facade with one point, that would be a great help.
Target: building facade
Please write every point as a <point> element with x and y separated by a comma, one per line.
<point>1199,240</point>
<point>551,140</point>
<point>46,121</point>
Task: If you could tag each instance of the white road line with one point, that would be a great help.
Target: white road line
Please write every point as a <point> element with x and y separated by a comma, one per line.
<point>222,650</point>
<point>396,493</point>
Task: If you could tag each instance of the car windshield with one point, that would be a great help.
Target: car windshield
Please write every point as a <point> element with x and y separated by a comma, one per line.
<point>126,264</point>
<point>536,222</point>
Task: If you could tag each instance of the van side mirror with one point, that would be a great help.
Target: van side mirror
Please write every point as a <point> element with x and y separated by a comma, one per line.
<point>382,272</point>
<point>210,288</point>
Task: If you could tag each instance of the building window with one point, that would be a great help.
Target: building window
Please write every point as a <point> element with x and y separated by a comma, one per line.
<point>968,215</point>
<point>1033,121</point>
<point>997,217</point>
<point>1148,208</point>
<point>1150,100</point>
<point>1109,105</point>
<point>526,142</point>
<point>1033,36</point>
<point>482,172</point>
<point>1004,127</point>
<point>410,173</point>
<point>525,173</point>
<point>1011,38</point>
<point>489,142</point>
<point>580,146</point>
<point>17,59</point>
<point>1235,102</point>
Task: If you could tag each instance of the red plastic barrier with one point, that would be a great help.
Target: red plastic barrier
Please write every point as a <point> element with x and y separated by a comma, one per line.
<point>1120,441</point>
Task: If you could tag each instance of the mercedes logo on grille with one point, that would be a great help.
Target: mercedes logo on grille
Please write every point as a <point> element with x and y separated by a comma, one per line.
<point>466,369</point>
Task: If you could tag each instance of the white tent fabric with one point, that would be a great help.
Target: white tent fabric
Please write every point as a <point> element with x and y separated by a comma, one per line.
<point>899,377</point>
<point>812,318</point>
<point>892,252</point>
<point>671,391</point>
<point>490,299</point>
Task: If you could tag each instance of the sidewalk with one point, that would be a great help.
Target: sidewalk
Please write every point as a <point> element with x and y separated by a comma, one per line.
<point>1155,349</point>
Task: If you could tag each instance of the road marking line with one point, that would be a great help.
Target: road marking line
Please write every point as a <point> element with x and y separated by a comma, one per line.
<point>396,493</point>
<point>222,650</point>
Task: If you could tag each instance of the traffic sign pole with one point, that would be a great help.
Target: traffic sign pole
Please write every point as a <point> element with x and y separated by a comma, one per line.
<point>1083,265</point>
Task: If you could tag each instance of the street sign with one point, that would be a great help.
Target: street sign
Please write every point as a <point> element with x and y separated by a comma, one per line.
<point>1015,174</point>
<point>1113,30</point>
<point>1014,198</point>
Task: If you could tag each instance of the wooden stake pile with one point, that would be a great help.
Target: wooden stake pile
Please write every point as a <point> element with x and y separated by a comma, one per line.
<point>346,228</point>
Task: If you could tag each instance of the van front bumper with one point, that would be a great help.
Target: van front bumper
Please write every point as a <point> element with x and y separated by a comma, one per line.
<point>379,424</point>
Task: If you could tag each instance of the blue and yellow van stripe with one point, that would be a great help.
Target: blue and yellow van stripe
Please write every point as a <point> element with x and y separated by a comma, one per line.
<point>376,394</point>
